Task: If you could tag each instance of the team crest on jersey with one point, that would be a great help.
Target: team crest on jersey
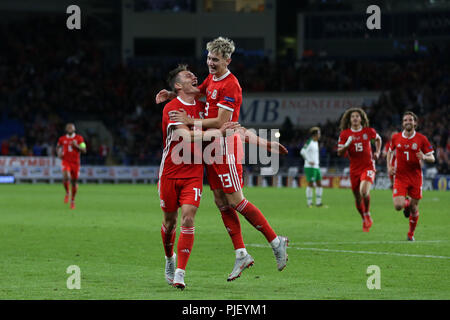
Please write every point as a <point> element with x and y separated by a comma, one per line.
<point>214,94</point>
<point>414,146</point>
<point>399,145</point>
<point>365,136</point>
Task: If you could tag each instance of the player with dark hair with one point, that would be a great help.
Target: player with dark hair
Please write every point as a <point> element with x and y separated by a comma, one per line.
<point>181,182</point>
<point>68,149</point>
<point>355,142</point>
<point>411,149</point>
<point>310,152</point>
<point>223,100</point>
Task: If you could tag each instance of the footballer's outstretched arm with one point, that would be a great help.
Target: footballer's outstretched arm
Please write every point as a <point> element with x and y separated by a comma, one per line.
<point>249,137</point>
<point>183,131</point>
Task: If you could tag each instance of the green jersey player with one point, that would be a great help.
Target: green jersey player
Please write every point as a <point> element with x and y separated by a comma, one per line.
<point>310,152</point>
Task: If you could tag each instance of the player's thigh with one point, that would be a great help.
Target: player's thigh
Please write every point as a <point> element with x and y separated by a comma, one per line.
<point>310,175</point>
<point>415,191</point>
<point>355,181</point>
<point>190,191</point>
<point>168,195</point>
<point>399,189</point>
<point>318,175</point>
<point>74,172</point>
<point>213,179</point>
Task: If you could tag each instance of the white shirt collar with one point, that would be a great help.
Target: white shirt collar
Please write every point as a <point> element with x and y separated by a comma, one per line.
<point>403,135</point>
<point>360,128</point>
<point>186,103</point>
<point>222,77</point>
<point>70,136</point>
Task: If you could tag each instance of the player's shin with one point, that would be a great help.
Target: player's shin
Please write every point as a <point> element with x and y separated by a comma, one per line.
<point>232,224</point>
<point>184,246</point>
<point>256,219</point>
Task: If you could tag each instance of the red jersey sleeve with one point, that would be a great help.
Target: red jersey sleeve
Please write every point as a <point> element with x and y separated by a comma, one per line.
<point>426,146</point>
<point>372,133</point>
<point>60,143</point>
<point>393,143</point>
<point>342,138</point>
<point>231,97</point>
<point>80,139</point>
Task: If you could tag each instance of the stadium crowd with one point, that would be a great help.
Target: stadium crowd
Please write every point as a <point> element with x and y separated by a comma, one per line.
<point>44,86</point>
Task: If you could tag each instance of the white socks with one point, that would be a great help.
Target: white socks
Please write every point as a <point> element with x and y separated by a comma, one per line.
<point>275,242</point>
<point>319,191</point>
<point>309,195</point>
<point>240,253</point>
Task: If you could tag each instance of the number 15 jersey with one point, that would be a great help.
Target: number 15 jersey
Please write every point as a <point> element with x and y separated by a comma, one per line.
<point>360,150</point>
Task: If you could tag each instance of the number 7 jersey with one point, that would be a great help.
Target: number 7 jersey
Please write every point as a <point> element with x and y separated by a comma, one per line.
<point>407,164</point>
<point>360,149</point>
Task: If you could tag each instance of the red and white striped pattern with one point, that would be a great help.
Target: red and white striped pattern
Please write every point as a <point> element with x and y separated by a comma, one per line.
<point>231,160</point>
<point>187,230</point>
<point>241,206</point>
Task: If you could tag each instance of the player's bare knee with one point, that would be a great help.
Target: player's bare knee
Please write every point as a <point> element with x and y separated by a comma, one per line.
<point>398,206</point>
<point>187,221</point>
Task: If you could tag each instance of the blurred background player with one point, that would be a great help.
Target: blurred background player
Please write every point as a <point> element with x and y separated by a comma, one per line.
<point>355,143</point>
<point>310,152</point>
<point>68,149</point>
<point>180,183</point>
<point>411,149</point>
<point>223,101</point>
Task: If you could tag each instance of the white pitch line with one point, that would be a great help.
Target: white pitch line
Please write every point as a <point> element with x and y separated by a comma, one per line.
<point>359,252</point>
<point>373,242</point>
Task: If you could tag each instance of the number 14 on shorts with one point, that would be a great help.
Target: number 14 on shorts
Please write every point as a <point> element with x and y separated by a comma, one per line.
<point>198,193</point>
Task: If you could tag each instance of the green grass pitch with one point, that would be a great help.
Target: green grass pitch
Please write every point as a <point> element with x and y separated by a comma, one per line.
<point>114,237</point>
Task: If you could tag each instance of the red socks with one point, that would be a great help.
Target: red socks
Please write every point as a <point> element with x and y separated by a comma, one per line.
<point>256,219</point>
<point>168,240</point>
<point>184,246</point>
<point>361,208</point>
<point>74,191</point>
<point>413,218</point>
<point>366,201</point>
<point>66,186</point>
<point>233,226</point>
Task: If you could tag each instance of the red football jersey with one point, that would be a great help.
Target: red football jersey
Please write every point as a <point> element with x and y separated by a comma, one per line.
<point>224,92</point>
<point>70,153</point>
<point>386,149</point>
<point>178,168</point>
<point>408,166</point>
<point>360,150</point>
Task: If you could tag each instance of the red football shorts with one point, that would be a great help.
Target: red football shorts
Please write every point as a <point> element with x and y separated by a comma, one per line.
<point>403,187</point>
<point>173,193</point>
<point>73,168</point>
<point>226,176</point>
<point>366,175</point>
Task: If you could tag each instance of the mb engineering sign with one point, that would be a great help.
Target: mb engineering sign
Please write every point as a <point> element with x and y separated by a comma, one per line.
<point>304,110</point>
